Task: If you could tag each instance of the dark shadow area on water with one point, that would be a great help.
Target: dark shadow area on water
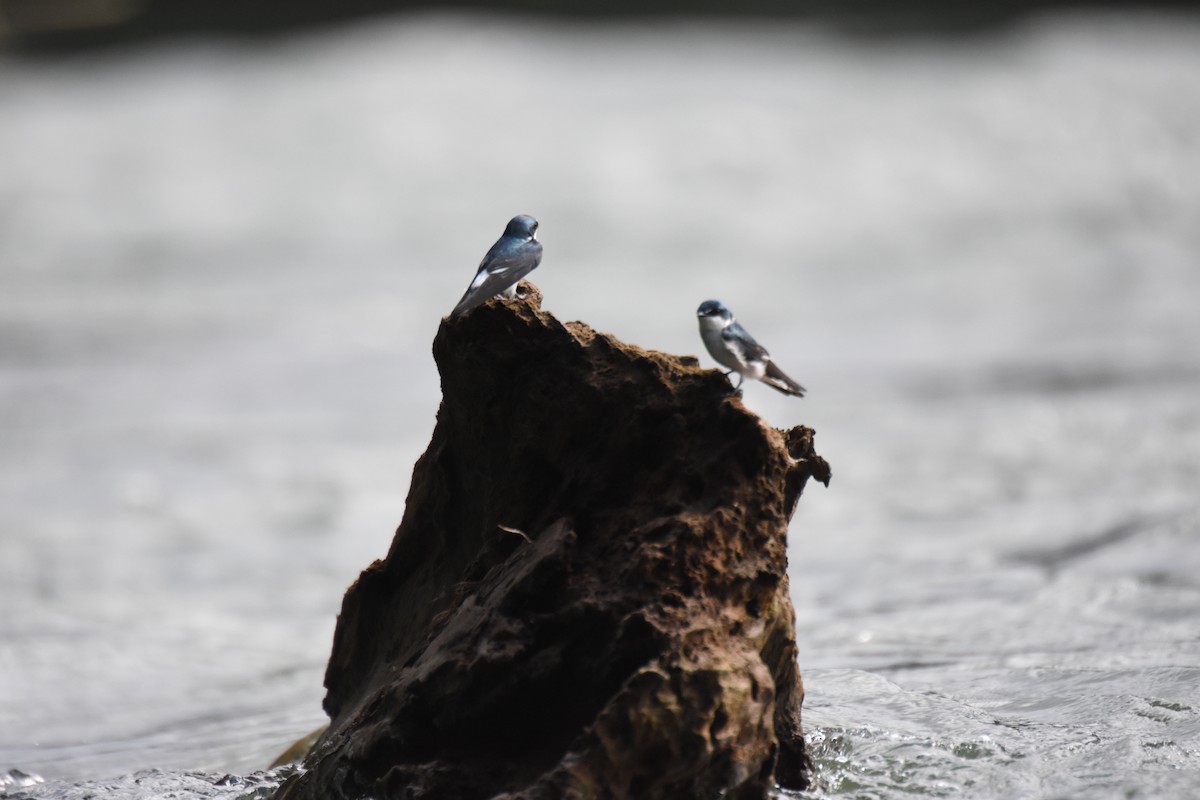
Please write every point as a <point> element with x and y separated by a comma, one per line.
<point>51,26</point>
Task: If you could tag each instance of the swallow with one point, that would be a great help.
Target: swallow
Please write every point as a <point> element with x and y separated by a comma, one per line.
<point>514,255</point>
<point>732,346</point>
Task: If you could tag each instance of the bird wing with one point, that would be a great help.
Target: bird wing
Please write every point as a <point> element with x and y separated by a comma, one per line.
<point>750,350</point>
<point>506,264</point>
<point>742,343</point>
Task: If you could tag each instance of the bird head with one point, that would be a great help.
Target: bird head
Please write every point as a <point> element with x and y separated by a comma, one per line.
<point>714,312</point>
<point>522,226</point>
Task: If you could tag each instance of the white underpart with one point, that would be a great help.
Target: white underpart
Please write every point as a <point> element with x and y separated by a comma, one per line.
<point>757,370</point>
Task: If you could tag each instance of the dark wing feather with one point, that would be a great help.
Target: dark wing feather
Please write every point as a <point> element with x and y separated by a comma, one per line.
<point>751,350</point>
<point>520,262</point>
<point>744,343</point>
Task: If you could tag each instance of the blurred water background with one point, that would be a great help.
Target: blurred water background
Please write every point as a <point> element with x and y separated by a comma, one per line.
<point>223,261</point>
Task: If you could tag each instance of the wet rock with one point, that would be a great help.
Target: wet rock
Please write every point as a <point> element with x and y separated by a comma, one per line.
<point>587,596</point>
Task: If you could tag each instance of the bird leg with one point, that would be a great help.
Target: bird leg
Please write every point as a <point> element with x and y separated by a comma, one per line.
<point>736,391</point>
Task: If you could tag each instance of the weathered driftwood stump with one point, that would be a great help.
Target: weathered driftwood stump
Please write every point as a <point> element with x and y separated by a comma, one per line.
<point>587,596</point>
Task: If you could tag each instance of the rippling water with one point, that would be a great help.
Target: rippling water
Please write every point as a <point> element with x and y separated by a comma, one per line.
<point>223,263</point>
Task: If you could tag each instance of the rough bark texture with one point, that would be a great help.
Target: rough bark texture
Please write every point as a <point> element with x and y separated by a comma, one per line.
<point>587,596</point>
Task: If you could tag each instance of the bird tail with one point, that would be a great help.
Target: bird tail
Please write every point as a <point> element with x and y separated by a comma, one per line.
<point>476,295</point>
<point>776,379</point>
<point>465,304</point>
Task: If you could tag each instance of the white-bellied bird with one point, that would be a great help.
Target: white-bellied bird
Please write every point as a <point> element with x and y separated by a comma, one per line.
<point>730,344</point>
